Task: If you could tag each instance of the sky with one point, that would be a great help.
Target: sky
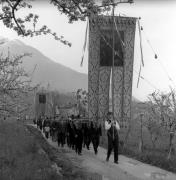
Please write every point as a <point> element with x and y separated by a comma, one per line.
<point>158,21</point>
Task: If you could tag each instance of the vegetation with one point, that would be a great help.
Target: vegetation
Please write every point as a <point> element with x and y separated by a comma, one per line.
<point>70,166</point>
<point>25,154</point>
<point>27,26</point>
<point>151,137</point>
<point>21,157</point>
<point>15,85</point>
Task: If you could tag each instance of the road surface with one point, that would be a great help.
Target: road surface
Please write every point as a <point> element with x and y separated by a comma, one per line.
<point>127,169</point>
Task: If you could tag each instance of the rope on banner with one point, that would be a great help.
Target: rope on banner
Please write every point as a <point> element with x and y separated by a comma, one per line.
<point>149,43</point>
<point>85,43</point>
<point>118,33</point>
<point>147,81</point>
<point>156,57</point>
<point>140,36</point>
<point>139,76</point>
<point>107,43</point>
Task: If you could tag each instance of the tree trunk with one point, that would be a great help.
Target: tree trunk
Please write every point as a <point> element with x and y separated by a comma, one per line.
<point>171,137</point>
<point>127,135</point>
<point>140,145</point>
<point>141,136</point>
<point>152,140</point>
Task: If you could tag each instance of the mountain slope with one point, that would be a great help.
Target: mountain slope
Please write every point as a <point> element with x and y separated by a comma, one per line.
<point>46,71</point>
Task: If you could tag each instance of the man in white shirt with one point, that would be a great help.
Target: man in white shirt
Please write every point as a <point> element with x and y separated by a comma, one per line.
<point>112,128</point>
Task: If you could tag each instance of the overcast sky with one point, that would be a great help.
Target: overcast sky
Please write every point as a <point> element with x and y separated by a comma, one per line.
<point>158,21</point>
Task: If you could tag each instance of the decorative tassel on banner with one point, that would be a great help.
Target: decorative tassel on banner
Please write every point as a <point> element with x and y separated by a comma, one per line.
<point>118,33</point>
<point>140,36</point>
<point>139,76</point>
<point>148,41</point>
<point>85,43</point>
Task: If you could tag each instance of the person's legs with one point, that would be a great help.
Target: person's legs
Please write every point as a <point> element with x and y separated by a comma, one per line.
<point>76,145</point>
<point>116,145</point>
<point>62,139</point>
<point>88,142</point>
<point>80,141</point>
<point>110,147</point>
<point>46,135</point>
<point>58,139</point>
<point>96,144</point>
<point>68,140</point>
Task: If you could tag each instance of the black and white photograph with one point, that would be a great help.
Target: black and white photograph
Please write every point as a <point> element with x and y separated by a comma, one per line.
<point>87,90</point>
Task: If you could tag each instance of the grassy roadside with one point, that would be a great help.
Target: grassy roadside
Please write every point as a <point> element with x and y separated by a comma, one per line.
<point>155,157</point>
<point>70,168</point>
<point>21,157</point>
<point>25,155</point>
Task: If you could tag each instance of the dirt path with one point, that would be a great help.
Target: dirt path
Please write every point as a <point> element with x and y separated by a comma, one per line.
<point>127,169</point>
<point>93,163</point>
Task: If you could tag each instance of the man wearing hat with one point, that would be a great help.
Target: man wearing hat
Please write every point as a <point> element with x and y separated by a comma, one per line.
<point>112,128</point>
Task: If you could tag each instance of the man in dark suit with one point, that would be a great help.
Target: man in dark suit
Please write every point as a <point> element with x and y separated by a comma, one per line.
<point>112,128</point>
<point>95,135</point>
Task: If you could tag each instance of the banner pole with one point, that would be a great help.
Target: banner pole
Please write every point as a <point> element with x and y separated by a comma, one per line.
<point>113,41</point>
<point>112,78</point>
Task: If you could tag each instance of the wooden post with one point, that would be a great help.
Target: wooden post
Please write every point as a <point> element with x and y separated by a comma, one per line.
<point>141,143</point>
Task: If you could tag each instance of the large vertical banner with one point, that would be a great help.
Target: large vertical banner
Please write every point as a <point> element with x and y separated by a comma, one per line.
<point>93,69</point>
<point>43,104</point>
<point>40,104</point>
<point>100,66</point>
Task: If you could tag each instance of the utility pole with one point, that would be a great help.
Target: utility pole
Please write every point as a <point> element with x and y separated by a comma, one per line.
<point>141,144</point>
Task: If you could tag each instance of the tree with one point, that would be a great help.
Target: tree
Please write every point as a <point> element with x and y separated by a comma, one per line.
<point>74,9</point>
<point>8,15</point>
<point>164,109</point>
<point>154,129</point>
<point>14,84</point>
<point>82,100</point>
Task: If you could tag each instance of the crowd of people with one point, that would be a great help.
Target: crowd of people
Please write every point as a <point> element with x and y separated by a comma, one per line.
<point>73,131</point>
<point>78,133</point>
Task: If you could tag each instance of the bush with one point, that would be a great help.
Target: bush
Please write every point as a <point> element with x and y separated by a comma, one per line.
<point>156,157</point>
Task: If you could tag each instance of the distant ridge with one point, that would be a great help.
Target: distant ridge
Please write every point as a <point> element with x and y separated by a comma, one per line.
<point>58,76</point>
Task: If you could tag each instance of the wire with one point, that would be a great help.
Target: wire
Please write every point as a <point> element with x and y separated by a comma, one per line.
<point>139,76</point>
<point>118,33</point>
<point>140,37</point>
<point>156,57</point>
<point>107,43</point>
<point>147,81</point>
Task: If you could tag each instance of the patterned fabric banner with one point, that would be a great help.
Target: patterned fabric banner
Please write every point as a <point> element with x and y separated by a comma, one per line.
<point>43,104</point>
<point>100,65</point>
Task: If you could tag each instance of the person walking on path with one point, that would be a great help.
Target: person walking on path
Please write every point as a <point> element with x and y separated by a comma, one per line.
<point>112,128</point>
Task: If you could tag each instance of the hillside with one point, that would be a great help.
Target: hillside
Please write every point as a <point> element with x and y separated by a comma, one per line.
<point>46,71</point>
<point>58,76</point>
